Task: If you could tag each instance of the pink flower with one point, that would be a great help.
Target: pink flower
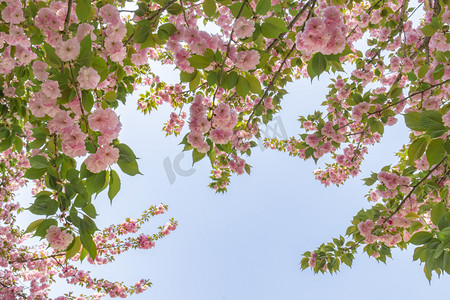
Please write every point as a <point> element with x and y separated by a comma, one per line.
<point>104,157</point>
<point>39,70</point>
<point>247,60</point>
<point>446,119</point>
<point>10,91</point>
<point>220,136</point>
<point>72,142</point>
<point>243,28</point>
<point>58,240</point>
<point>110,14</point>
<point>68,50</point>
<point>332,14</point>
<point>315,25</point>
<point>312,140</point>
<point>60,122</point>
<point>366,227</point>
<point>37,108</point>
<point>88,78</point>
<point>222,111</point>
<point>83,30</point>
<point>116,33</point>
<point>115,49</point>
<point>12,13</point>
<point>198,45</point>
<point>145,242</point>
<point>195,139</point>
<point>50,89</point>
<point>46,19</point>
<point>103,120</point>
<point>140,58</point>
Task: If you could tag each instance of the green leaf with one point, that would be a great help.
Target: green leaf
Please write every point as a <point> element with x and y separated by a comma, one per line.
<point>242,87</point>
<point>175,9</point>
<point>18,145</point>
<point>417,148</point>
<point>41,231</point>
<point>194,83</point>
<point>431,121</point>
<point>83,10</point>
<point>33,173</point>
<point>347,259</point>
<point>126,155</point>
<point>412,121</point>
<point>212,78</point>
<point>371,180</point>
<point>435,151</point>
<point>74,249</point>
<point>130,168</point>
<point>101,67</point>
<point>419,252</point>
<point>166,30</point>
<point>272,27</point>
<point>375,125</point>
<point>209,7</point>
<point>86,56</point>
<point>89,209</point>
<point>83,254</point>
<point>90,224</point>
<point>240,6</point>
<point>437,212</point>
<point>187,77</point>
<point>114,185</point>
<point>142,32</point>
<point>421,238</point>
<point>229,80</point>
<point>51,55</point>
<point>38,162</point>
<point>423,70</point>
<point>34,225</point>
<point>438,72</point>
<point>395,92</point>
<point>88,100</point>
<point>86,239</point>
<point>199,62</point>
<point>44,205</point>
<point>428,30</point>
<point>110,96</point>
<point>196,156</point>
<point>263,7</point>
<point>95,182</point>
<point>255,85</point>
<point>318,63</point>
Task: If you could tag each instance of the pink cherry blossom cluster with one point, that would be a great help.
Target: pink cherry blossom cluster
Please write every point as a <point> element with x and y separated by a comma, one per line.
<point>225,119</point>
<point>197,41</point>
<point>57,238</point>
<point>392,180</point>
<point>175,123</point>
<point>107,122</point>
<point>198,124</point>
<point>171,226</point>
<point>325,34</point>
<point>243,28</point>
<point>114,33</point>
<point>247,60</point>
<point>103,158</point>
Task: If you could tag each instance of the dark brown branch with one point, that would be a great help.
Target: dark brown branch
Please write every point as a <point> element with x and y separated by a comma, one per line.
<point>69,12</point>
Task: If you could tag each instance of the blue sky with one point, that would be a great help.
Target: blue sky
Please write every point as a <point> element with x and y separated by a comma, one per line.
<point>247,243</point>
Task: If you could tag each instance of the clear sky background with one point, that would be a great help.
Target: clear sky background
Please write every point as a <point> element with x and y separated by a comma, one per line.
<point>247,243</point>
